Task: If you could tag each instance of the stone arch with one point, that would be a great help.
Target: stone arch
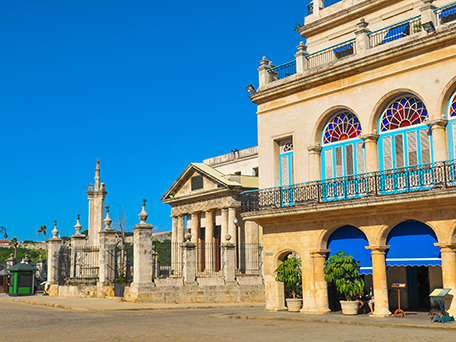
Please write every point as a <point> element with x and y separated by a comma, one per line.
<point>452,234</point>
<point>445,96</point>
<point>383,102</point>
<point>387,228</point>
<point>323,119</point>
<point>325,234</point>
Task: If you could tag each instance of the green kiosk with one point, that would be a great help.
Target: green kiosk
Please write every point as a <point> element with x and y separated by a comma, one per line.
<point>22,280</point>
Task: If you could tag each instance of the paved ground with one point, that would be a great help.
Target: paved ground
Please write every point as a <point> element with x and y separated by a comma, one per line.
<point>112,320</point>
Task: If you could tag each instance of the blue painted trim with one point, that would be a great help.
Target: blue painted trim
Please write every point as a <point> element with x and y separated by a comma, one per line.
<point>451,120</point>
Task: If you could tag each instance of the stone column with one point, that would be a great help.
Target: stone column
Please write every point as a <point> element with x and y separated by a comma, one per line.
<point>321,286</point>
<point>229,261</point>
<point>439,141</point>
<point>264,75</point>
<point>77,242</point>
<point>224,228</point>
<point>301,60</point>
<point>174,247</point>
<point>40,269</point>
<point>10,262</point>
<point>189,262</point>
<point>54,245</point>
<point>428,17</point>
<point>96,195</point>
<point>371,147</point>
<point>448,255</point>
<point>107,257</point>
<point>232,227</point>
<point>195,227</point>
<point>209,258</point>
<point>362,39</point>
<point>142,259</point>
<point>379,280</point>
<point>314,162</point>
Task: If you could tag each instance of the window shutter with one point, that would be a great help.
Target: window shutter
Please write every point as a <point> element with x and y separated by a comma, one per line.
<point>285,171</point>
<point>292,170</point>
<point>399,150</point>
<point>329,173</point>
<point>339,164</point>
<point>360,158</point>
<point>425,146</point>
<point>387,155</point>
<point>412,148</point>
<point>454,139</point>
<point>349,160</point>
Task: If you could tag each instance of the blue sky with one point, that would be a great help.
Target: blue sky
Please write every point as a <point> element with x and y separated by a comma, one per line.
<point>146,86</point>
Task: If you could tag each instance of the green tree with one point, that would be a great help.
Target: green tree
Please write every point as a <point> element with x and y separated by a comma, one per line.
<point>42,229</point>
<point>289,273</point>
<point>14,244</point>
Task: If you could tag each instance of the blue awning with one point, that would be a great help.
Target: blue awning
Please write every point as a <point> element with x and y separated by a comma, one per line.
<point>343,48</point>
<point>354,242</point>
<point>447,12</point>
<point>395,33</point>
<point>412,244</point>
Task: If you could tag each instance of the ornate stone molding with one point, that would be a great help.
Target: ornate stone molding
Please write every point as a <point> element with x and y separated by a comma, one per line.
<point>370,136</point>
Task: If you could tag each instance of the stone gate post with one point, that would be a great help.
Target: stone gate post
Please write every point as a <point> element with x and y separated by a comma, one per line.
<point>77,242</point>
<point>189,261</point>
<point>229,258</point>
<point>54,245</point>
<point>107,254</point>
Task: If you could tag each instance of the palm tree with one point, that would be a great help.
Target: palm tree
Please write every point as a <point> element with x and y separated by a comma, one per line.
<point>14,243</point>
<point>42,230</point>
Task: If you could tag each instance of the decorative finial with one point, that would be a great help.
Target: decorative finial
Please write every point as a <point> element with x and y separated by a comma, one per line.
<point>55,232</point>
<point>143,215</point>
<point>97,174</point>
<point>187,237</point>
<point>107,221</point>
<point>78,226</point>
<point>228,237</point>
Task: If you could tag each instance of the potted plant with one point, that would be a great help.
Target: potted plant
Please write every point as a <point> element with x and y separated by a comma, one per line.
<point>343,270</point>
<point>289,273</point>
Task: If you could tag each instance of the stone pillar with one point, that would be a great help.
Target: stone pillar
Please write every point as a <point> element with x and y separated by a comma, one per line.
<point>209,258</point>
<point>189,261</point>
<point>10,262</point>
<point>54,245</point>
<point>301,60</point>
<point>362,39</point>
<point>232,227</point>
<point>195,227</point>
<point>264,75</point>
<point>174,247</point>
<point>439,141</point>
<point>317,5</point>
<point>40,269</point>
<point>371,147</point>
<point>448,255</point>
<point>428,17</point>
<point>96,195</point>
<point>321,286</point>
<point>77,242</point>
<point>229,261</point>
<point>107,256</point>
<point>314,162</point>
<point>379,280</point>
<point>142,259</point>
<point>224,228</point>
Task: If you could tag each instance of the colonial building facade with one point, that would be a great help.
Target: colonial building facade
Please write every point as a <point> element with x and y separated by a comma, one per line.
<point>356,146</point>
<point>205,201</point>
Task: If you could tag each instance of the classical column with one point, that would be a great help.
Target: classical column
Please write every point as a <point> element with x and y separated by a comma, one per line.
<point>209,258</point>
<point>314,162</point>
<point>318,258</point>
<point>301,60</point>
<point>224,228</point>
<point>379,280</point>
<point>174,248</point>
<point>362,39</point>
<point>232,228</point>
<point>195,226</point>
<point>448,255</point>
<point>180,228</point>
<point>371,148</point>
<point>54,245</point>
<point>439,141</point>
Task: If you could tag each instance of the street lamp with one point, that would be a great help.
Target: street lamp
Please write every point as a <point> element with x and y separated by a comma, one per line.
<point>3,229</point>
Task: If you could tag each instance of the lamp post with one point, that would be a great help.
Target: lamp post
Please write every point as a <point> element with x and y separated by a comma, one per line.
<point>3,229</point>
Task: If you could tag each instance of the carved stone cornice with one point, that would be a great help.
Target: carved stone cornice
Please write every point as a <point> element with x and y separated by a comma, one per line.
<point>314,148</point>
<point>369,136</point>
<point>440,122</point>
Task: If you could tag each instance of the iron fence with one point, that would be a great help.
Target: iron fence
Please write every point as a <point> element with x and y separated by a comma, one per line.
<point>394,32</point>
<point>331,54</point>
<point>208,263</point>
<point>374,184</point>
<point>446,13</point>
<point>78,265</point>
<point>123,263</point>
<point>174,269</point>
<point>283,70</point>
<point>250,260</point>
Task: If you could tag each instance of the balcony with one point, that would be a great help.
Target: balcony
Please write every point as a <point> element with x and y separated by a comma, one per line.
<point>380,184</point>
<point>383,36</point>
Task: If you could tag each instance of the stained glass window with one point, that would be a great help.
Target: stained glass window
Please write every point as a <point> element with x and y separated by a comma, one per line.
<point>344,125</point>
<point>403,112</point>
<point>453,106</point>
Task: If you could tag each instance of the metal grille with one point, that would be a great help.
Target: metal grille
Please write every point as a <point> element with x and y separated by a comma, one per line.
<point>123,267</point>
<point>78,265</point>
<point>394,32</point>
<point>394,181</point>
<point>283,70</point>
<point>250,260</point>
<point>208,256</point>
<point>331,54</point>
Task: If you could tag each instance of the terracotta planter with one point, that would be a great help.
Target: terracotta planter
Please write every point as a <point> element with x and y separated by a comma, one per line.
<point>349,307</point>
<point>294,305</point>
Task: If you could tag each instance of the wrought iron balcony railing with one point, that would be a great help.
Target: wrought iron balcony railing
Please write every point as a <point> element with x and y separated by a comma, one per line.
<point>425,177</point>
<point>395,32</point>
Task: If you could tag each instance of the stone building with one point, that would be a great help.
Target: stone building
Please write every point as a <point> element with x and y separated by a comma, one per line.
<point>205,201</point>
<point>357,148</point>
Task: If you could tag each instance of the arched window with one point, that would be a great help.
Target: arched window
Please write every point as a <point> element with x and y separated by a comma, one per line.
<point>343,152</point>
<point>451,114</point>
<point>404,136</point>
<point>286,162</point>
